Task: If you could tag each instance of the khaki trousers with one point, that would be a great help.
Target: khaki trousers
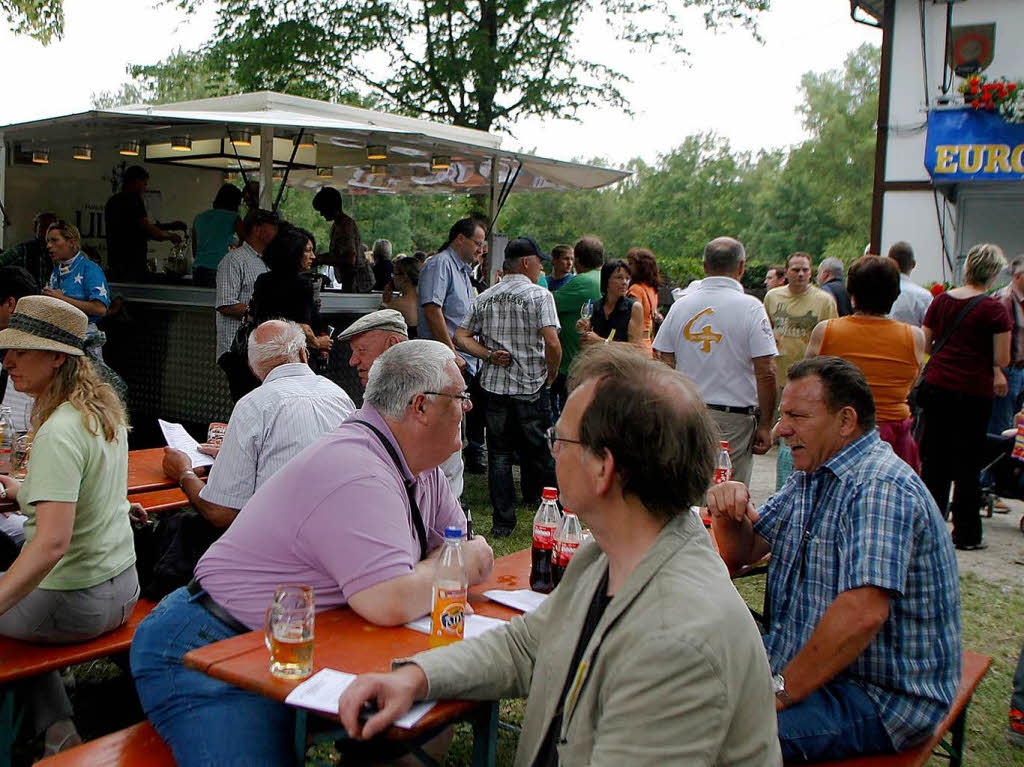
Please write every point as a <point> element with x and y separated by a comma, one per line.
<point>738,430</point>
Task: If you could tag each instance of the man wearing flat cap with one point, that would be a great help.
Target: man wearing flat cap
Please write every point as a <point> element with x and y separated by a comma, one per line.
<point>372,335</point>
<point>517,326</point>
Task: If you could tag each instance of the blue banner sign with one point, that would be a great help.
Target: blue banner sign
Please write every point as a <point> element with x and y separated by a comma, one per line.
<point>970,145</point>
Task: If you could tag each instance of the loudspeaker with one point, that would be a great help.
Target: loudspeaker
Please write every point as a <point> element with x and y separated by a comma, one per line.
<point>971,48</point>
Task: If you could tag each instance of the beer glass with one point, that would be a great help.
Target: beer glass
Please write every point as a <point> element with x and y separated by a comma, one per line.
<point>288,631</point>
<point>22,450</point>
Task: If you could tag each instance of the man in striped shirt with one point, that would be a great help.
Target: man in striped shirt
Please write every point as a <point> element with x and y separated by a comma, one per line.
<point>269,426</point>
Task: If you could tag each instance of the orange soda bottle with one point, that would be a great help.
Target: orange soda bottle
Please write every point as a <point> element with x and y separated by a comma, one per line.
<point>451,584</point>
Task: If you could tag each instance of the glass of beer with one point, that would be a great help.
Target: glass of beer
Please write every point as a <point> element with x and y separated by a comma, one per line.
<point>288,631</point>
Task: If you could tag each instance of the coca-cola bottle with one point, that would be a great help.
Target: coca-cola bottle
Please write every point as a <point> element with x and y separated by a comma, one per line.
<point>569,538</point>
<point>723,467</point>
<point>545,524</point>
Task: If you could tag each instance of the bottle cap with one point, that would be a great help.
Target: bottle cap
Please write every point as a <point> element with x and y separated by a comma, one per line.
<point>724,444</point>
<point>452,533</point>
<point>568,511</point>
<point>549,493</point>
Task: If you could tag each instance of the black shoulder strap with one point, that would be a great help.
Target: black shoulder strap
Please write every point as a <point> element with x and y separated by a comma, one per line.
<point>956,322</point>
<point>417,518</point>
<point>4,375</point>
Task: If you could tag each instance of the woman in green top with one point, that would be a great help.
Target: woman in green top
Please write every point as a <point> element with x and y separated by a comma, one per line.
<point>75,576</point>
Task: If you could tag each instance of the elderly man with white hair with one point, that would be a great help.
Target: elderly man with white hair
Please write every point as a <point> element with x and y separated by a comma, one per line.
<point>268,427</point>
<point>359,516</point>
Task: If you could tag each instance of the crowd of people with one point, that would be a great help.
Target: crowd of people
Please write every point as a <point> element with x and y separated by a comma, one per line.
<point>578,377</point>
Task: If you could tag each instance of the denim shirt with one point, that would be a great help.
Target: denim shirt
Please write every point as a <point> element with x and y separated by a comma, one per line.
<point>865,518</point>
<point>445,280</point>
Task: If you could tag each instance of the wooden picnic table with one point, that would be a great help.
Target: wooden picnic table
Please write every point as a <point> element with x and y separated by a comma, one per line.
<point>347,642</point>
<point>146,472</point>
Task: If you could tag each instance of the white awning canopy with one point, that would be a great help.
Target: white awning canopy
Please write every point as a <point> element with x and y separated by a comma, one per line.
<point>420,156</point>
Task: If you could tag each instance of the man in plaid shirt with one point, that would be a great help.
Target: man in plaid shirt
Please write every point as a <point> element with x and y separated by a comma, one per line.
<point>864,631</point>
<point>517,327</point>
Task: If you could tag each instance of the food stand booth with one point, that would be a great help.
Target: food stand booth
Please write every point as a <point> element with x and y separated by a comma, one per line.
<point>162,341</point>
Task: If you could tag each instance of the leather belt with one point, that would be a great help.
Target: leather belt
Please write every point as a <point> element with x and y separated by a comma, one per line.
<point>749,410</point>
<point>196,589</point>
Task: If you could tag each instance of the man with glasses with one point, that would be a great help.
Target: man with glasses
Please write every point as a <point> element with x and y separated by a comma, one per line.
<point>517,326</point>
<point>446,296</point>
<point>359,515</point>
<point>645,655</point>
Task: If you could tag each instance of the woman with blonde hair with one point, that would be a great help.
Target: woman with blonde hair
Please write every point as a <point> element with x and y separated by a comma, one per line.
<point>968,335</point>
<point>75,577</point>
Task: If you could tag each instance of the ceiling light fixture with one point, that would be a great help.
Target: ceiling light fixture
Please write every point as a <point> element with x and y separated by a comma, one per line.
<point>129,148</point>
<point>181,144</point>
<point>440,162</point>
<point>82,152</point>
<point>240,136</point>
<point>41,156</point>
<point>376,152</point>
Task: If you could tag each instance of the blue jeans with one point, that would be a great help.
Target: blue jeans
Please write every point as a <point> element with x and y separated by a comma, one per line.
<point>836,722</point>
<point>517,422</point>
<point>1005,408</point>
<point>206,722</point>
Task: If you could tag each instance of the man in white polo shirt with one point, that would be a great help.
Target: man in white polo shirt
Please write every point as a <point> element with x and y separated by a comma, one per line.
<point>722,339</point>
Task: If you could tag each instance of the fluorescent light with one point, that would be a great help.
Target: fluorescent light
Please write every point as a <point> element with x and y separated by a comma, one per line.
<point>82,152</point>
<point>181,144</point>
<point>128,148</point>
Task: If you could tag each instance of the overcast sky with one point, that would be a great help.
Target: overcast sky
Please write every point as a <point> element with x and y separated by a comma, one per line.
<point>733,85</point>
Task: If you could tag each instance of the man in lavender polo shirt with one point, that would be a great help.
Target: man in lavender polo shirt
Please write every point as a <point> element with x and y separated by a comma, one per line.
<point>335,517</point>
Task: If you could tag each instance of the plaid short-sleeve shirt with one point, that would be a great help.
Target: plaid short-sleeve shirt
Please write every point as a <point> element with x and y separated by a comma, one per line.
<point>510,316</point>
<point>865,518</point>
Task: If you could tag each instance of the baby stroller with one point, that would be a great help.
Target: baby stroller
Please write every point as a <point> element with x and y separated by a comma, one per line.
<point>1003,475</point>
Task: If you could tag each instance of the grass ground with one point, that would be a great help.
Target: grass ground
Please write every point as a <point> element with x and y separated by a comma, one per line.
<point>993,624</point>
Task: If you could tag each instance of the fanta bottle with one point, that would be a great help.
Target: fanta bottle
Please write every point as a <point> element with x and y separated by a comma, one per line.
<point>451,584</point>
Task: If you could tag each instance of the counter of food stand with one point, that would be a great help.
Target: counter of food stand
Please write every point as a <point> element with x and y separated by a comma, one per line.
<point>162,340</point>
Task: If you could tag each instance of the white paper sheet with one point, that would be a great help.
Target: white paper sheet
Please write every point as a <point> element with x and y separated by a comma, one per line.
<point>321,692</point>
<point>518,599</point>
<point>180,439</point>
<point>475,625</point>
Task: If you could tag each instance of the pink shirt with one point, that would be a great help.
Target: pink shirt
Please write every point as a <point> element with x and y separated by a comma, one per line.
<point>336,517</point>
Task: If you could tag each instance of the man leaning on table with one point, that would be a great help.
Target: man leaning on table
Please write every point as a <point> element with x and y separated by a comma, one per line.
<point>864,631</point>
<point>338,517</point>
<point>644,654</point>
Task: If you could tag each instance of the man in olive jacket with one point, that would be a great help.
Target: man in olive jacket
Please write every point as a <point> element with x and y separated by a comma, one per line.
<point>644,654</point>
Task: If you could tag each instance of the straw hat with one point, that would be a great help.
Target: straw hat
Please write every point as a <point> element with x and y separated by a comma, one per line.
<point>47,324</point>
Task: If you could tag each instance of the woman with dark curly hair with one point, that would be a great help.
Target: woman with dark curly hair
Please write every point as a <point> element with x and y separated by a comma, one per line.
<point>643,287</point>
<point>889,353</point>
<point>285,292</point>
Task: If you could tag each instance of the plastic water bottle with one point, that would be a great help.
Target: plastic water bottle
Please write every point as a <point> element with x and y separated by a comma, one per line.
<point>568,540</point>
<point>546,522</point>
<point>451,584</point>
<point>7,440</point>
<point>723,467</point>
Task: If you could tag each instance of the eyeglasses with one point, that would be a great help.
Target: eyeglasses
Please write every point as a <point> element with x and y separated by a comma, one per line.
<point>479,243</point>
<point>552,437</point>
<point>462,396</point>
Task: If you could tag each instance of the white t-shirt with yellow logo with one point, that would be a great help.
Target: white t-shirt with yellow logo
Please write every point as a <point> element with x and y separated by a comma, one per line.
<point>715,332</point>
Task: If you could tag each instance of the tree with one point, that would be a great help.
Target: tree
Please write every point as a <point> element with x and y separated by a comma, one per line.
<point>41,19</point>
<point>480,64</point>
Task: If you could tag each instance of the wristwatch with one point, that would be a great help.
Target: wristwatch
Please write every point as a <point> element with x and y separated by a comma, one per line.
<point>186,473</point>
<point>779,688</point>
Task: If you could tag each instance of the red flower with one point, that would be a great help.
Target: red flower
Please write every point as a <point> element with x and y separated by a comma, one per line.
<point>938,288</point>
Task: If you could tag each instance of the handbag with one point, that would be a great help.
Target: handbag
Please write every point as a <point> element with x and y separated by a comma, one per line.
<point>917,397</point>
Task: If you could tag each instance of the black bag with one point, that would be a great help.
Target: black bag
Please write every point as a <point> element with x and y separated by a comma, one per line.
<point>917,398</point>
<point>166,554</point>
<point>240,343</point>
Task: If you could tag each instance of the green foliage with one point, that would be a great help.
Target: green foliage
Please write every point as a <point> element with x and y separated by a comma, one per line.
<point>41,19</point>
<point>484,64</point>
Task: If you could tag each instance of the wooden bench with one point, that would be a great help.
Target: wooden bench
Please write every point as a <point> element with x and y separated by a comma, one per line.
<point>168,499</point>
<point>136,745</point>
<point>975,667</point>
<point>22,660</point>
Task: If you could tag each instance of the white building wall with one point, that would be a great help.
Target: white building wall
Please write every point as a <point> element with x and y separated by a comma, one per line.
<point>911,216</point>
